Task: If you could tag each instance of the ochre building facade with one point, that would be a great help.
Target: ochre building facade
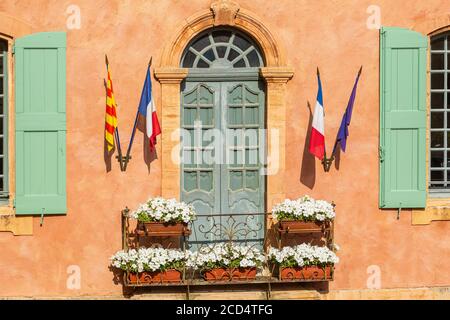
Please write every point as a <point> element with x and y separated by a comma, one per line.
<point>403,253</point>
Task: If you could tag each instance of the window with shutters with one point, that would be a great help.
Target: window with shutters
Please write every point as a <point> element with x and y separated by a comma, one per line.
<point>403,116</point>
<point>439,181</point>
<point>4,190</point>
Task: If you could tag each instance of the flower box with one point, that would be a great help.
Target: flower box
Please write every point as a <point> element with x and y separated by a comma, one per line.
<point>304,209</point>
<point>222,274</point>
<point>150,265</point>
<point>304,262</point>
<point>293,226</point>
<point>306,273</point>
<point>164,211</point>
<point>226,261</point>
<point>168,276</point>
<point>159,228</point>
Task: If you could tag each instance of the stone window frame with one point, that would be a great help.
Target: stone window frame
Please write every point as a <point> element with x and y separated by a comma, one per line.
<point>437,209</point>
<point>277,73</point>
<point>10,29</point>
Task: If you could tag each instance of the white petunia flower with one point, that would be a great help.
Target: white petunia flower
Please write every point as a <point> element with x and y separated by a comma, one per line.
<point>303,255</point>
<point>162,210</point>
<point>304,209</point>
<point>149,259</point>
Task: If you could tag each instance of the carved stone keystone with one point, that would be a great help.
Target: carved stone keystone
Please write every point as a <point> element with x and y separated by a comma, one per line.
<point>225,12</point>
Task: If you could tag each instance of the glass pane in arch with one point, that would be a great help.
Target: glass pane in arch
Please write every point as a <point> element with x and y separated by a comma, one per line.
<point>222,48</point>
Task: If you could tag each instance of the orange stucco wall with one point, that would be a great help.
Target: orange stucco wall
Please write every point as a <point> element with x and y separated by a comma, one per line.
<point>330,34</point>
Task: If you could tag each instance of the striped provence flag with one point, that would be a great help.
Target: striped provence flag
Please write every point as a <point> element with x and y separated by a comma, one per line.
<point>111,113</point>
<point>317,138</point>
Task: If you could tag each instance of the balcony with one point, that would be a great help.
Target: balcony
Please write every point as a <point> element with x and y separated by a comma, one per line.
<point>252,230</point>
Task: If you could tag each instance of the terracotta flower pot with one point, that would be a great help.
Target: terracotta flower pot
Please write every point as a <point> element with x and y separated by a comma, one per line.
<point>159,228</point>
<point>306,273</point>
<point>168,276</point>
<point>221,274</point>
<point>292,225</point>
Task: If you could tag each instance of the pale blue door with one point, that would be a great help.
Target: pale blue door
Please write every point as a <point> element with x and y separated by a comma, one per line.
<point>223,145</point>
<point>223,158</point>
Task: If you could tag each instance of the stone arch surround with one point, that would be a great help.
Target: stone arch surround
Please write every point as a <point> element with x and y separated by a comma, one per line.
<point>276,74</point>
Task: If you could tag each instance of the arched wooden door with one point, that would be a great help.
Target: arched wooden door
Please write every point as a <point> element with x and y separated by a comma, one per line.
<point>223,136</point>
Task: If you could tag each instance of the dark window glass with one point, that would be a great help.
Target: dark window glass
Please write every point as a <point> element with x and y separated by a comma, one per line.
<point>437,100</point>
<point>221,36</point>
<point>253,59</point>
<point>437,139</point>
<point>438,44</point>
<point>448,139</point>
<point>201,43</point>
<point>202,64</point>
<point>221,51</point>
<point>437,61</point>
<point>189,60</point>
<point>437,120</point>
<point>437,175</point>
<point>437,159</point>
<point>233,55</point>
<point>437,80</point>
<point>241,43</point>
<point>210,55</point>
<point>240,64</point>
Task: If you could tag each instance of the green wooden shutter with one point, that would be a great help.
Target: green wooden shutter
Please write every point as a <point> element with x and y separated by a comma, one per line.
<point>403,64</point>
<point>40,91</point>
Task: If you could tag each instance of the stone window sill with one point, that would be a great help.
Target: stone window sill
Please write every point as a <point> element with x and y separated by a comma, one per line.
<point>436,210</point>
<point>19,226</point>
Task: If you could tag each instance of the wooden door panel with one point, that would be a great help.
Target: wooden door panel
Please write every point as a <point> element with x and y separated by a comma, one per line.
<point>233,185</point>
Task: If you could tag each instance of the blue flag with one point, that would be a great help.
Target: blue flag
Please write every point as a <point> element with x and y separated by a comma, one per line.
<point>346,119</point>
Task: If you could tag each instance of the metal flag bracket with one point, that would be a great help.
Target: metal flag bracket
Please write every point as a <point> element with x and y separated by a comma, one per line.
<point>42,217</point>
<point>327,162</point>
<point>124,160</point>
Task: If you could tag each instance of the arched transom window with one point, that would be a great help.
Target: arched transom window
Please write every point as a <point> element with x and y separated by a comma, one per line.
<point>222,49</point>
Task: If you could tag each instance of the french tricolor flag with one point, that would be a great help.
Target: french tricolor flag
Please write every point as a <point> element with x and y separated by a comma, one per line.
<point>147,109</point>
<point>317,139</point>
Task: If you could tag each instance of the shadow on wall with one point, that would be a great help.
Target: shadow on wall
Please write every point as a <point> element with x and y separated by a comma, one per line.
<point>149,157</point>
<point>337,157</point>
<point>107,155</point>
<point>308,171</point>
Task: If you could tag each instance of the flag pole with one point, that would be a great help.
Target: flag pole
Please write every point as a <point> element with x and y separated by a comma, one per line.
<point>133,133</point>
<point>116,131</point>
<point>325,161</point>
<point>117,138</point>
<point>328,162</point>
